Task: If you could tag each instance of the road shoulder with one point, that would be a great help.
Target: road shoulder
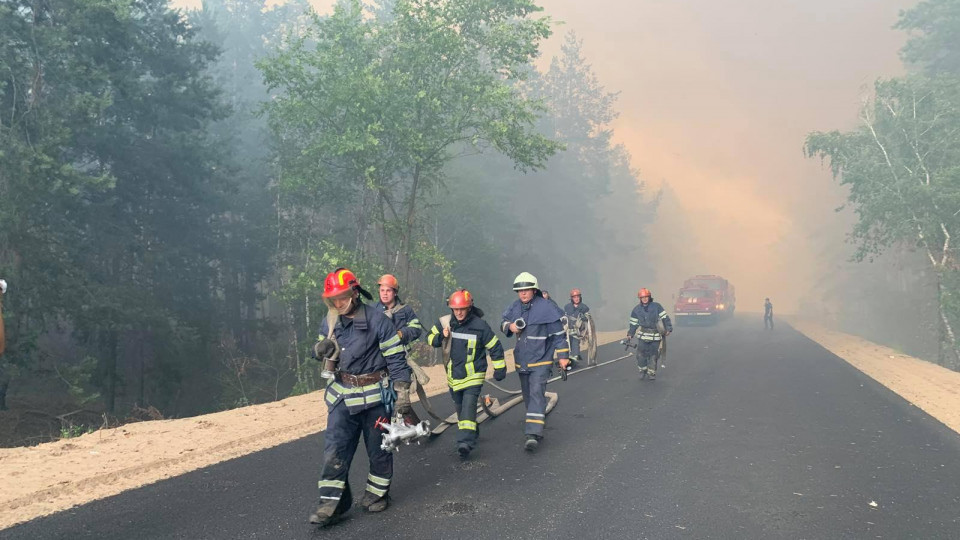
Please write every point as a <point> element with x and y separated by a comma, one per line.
<point>932,388</point>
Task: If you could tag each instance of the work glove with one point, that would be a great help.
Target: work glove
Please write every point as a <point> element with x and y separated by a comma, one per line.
<point>500,374</point>
<point>402,404</point>
<point>324,349</point>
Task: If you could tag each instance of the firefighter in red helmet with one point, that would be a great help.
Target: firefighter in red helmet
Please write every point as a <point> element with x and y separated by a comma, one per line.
<point>654,324</point>
<point>371,369</point>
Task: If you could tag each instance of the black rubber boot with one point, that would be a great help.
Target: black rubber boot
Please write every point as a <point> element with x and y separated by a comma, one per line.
<point>464,450</point>
<point>531,443</point>
<point>374,503</point>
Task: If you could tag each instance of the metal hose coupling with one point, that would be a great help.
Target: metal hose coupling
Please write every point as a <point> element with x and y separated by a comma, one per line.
<point>399,432</point>
<point>520,323</point>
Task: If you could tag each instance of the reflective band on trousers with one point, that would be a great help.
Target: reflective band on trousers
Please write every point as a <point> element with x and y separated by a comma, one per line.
<point>467,424</point>
<point>335,484</point>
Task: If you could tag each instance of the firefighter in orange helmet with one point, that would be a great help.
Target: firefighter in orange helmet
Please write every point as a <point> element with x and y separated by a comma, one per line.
<point>467,340</point>
<point>405,320</point>
<point>651,319</point>
<point>371,360</point>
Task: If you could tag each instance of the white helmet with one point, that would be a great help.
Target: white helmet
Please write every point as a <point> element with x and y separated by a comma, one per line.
<point>525,280</point>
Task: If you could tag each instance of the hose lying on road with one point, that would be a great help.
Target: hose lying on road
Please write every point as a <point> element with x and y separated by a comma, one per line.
<point>558,377</point>
<point>491,407</point>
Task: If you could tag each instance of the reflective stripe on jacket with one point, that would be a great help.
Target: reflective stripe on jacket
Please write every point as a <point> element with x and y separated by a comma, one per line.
<point>368,343</point>
<point>543,335</point>
<point>646,317</point>
<point>405,321</point>
<point>470,343</point>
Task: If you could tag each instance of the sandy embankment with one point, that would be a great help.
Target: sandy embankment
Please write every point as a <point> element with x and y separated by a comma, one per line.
<point>44,479</point>
<point>932,388</point>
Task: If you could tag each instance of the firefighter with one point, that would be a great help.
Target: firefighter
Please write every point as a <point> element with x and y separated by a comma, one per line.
<point>767,315</point>
<point>371,363</point>
<point>467,340</point>
<point>536,323</point>
<point>647,316</point>
<point>405,321</point>
<point>575,311</point>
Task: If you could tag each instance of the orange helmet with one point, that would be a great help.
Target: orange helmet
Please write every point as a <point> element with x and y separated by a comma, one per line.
<point>461,299</point>
<point>574,292</point>
<point>644,292</point>
<point>390,281</point>
<point>338,282</point>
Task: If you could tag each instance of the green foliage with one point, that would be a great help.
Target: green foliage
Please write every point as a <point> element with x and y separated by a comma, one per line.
<point>935,42</point>
<point>902,165</point>
<point>81,380</point>
<point>167,215</point>
<point>72,431</point>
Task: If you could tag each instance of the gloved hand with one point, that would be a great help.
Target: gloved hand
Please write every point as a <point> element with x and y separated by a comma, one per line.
<point>500,374</point>
<point>324,349</point>
<point>402,404</point>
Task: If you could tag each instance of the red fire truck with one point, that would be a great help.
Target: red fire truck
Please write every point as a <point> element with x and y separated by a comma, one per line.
<point>705,298</point>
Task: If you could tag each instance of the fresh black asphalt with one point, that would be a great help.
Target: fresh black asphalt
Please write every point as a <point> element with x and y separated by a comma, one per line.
<point>744,434</point>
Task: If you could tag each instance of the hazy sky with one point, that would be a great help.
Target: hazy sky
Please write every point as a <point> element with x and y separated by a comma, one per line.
<point>716,99</point>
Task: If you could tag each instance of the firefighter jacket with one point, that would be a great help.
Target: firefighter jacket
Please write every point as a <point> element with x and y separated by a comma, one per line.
<point>404,320</point>
<point>573,311</point>
<point>470,343</point>
<point>368,343</point>
<point>541,337</point>
<point>646,317</point>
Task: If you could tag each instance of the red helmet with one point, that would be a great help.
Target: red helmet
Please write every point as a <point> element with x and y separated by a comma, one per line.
<point>390,281</point>
<point>644,292</point>
<point>574,292</point>
<point>338,282</point>
<point>461,299</point>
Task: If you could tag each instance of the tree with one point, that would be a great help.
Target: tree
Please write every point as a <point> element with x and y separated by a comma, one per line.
<point>371,109</point>
<point>937,48</point>
<point>109,190</point>
<point>902,166</point>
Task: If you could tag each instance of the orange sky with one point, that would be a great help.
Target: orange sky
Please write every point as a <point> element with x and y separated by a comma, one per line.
<point>716,99</point>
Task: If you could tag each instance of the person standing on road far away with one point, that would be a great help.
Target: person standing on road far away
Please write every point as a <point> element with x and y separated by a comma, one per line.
<point>536,323</point>
<point>576,312</point>
<point>654,324</point>
<point>371,377</point>
<point>467,340</point>
<point>405,321</point>
<point>767,315</point>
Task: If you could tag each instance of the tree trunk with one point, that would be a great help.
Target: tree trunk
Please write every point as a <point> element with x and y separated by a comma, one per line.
<point>109,383</point>
<point>951,357</point>
<point>407,242</point>
<point>3,333</point>
<point>4,385</point>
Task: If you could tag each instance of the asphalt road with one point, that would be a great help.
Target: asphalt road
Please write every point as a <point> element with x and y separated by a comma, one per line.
<point>744,434</point>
